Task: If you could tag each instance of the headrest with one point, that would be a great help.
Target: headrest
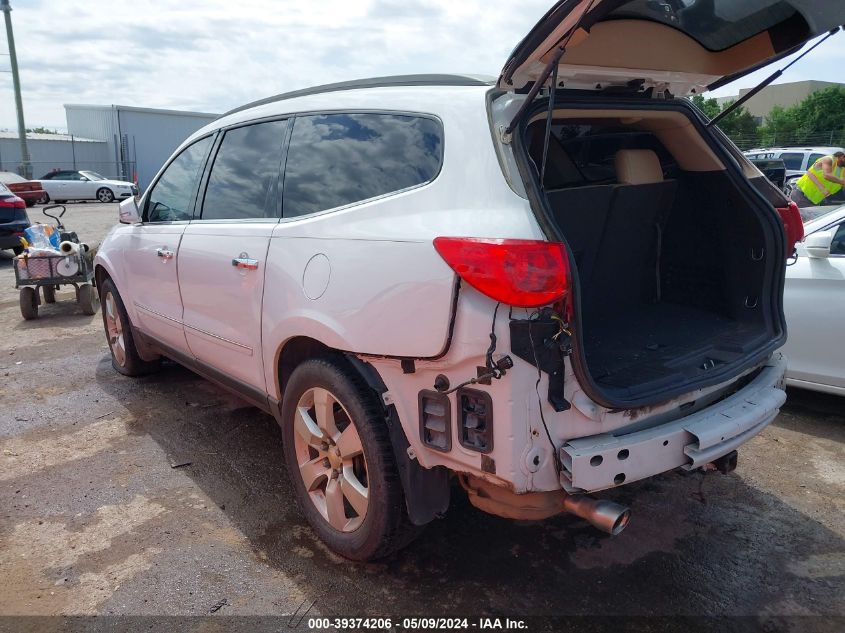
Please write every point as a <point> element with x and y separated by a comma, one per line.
<point>638,167</point>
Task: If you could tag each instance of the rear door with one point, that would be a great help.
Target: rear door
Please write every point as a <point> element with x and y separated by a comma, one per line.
<point>151,253</point>
<point>224,251</point>
<point>59,187</point>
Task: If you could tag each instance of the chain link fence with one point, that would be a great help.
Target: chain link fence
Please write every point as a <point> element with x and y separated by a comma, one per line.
<point>826,138</point>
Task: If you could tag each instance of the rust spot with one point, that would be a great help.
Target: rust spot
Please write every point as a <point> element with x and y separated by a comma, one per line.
<point>488,464</point>
<point>633,414</point>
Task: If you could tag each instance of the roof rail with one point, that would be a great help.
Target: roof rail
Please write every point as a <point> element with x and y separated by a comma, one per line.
<point>376,82</point>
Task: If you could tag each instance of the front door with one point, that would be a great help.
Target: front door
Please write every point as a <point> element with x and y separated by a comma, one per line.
<point>79,187</point>
<point>223,255</point>
<point>153,248</point>
<point>814,302</point>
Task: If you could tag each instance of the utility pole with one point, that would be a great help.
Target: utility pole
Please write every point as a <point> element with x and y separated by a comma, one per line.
<point>16,80</point>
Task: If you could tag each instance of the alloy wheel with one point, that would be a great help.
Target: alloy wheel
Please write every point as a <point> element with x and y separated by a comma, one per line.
<point>331,459</point>
<point>114,330</point>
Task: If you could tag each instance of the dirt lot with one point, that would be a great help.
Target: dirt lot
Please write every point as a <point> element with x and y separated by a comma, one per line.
<point>166,496</point>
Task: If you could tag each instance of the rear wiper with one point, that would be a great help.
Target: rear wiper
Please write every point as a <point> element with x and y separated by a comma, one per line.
<point>768,80</point>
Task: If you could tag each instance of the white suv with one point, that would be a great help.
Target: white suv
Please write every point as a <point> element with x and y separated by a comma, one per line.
<point>381,266</point>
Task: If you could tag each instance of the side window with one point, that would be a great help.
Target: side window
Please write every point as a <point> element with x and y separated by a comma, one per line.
<point>791,160</point>
<point>813,158</point>
<point>244,181</point>
<point>66,175</point>
<point>837,246</point>
<point>171,197</point>
<point>338,159</point>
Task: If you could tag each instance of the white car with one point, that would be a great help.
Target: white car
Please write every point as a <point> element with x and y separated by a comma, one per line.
<point>546,296</point>
<point>61,186</point>
<point>814,302</point>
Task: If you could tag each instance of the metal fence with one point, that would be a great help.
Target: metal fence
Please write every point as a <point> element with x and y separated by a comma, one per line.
<point>123,170</point>
<point>826,138</point>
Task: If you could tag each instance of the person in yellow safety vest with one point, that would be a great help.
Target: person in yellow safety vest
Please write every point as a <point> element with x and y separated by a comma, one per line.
<point>824,178</point>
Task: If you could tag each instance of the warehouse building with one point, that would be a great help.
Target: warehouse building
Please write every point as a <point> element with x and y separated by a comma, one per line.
<point>137,140</point>
<point>54,151</point>
<point>784,95</point>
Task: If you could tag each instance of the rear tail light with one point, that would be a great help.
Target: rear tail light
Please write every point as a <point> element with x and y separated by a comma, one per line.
<point>12,202</point>
<point>793,225</point>
<point>521,273</point>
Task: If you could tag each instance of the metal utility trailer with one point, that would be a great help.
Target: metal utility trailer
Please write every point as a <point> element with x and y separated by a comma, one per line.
<point>52,271</point>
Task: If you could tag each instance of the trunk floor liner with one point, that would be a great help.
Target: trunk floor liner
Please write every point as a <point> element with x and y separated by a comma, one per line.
<point>651,345</point>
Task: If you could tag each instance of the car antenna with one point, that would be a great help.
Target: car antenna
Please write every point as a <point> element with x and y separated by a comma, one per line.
<point>551,66</point>
<point>768,80</point>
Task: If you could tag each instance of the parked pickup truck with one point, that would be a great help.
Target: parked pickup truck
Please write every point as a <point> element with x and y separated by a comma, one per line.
<point>773,169</point>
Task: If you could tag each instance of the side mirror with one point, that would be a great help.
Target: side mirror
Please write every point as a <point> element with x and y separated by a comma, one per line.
<point>83,179</point>
<point>818,244</point>
<point>129,214</point>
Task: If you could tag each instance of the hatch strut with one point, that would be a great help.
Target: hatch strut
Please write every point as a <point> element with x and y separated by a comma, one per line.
<point>548,128</point>
<point>552,65</point>
<point>739,102</point>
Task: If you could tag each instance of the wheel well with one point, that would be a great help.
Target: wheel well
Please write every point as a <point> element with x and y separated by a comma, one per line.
<point>100,275</point>
<point>426,491</point>
<point>295,351</point>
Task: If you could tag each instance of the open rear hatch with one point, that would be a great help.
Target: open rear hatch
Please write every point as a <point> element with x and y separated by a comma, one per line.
<point>681,46</point>
<point>679,260</point>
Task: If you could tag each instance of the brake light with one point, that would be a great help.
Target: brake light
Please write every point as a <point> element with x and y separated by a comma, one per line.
<point>12,202</point>
<point>793,225</point>
<point>521,273</point>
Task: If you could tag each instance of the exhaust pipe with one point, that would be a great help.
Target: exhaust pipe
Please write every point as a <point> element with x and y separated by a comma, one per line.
<point>605,515</point>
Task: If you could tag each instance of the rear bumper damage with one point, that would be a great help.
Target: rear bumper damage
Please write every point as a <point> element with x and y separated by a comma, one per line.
<point>603,461</point>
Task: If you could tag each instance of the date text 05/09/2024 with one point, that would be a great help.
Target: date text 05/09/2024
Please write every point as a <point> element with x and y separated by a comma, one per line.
<point>420,624</point>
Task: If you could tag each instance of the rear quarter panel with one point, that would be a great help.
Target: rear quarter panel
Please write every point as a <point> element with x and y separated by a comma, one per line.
<point>366,278</point>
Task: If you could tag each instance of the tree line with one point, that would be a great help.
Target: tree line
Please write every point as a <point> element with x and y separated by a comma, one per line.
<point>817,120</point>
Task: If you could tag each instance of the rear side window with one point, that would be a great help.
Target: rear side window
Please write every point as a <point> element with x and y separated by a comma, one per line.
<point>244,181</point>
<point>339,159</point>
<point>172,196</point>
<point>792,161</point>
<point>812,160</point>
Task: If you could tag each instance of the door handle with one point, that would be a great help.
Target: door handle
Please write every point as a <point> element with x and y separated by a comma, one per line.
<point>164,253</point>
<point>244,262</point>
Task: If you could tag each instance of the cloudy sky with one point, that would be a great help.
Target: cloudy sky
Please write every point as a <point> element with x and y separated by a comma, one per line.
<point>212,55</point>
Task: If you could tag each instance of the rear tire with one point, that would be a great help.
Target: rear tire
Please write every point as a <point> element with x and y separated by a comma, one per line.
<point>87,299</point>
<point>119,334</point>
<point>49,294</point>
<point>341,462</point>
<point>29,303</point>
<point>43,199</point>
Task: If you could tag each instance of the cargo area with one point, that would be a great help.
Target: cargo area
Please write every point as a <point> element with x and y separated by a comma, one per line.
<point>675,265</point>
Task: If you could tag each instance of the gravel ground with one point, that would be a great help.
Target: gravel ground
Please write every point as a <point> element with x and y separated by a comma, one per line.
<point>166,496</point>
